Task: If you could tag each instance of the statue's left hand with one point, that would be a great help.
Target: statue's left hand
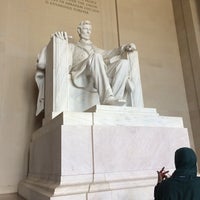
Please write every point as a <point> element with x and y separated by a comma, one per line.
<point>61,35</point>
<point>130,47</point>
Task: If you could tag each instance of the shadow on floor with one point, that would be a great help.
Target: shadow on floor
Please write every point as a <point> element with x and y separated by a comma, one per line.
<point>10,197</point>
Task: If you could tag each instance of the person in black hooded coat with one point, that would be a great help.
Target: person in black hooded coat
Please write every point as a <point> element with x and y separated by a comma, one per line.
<point>184,183</point>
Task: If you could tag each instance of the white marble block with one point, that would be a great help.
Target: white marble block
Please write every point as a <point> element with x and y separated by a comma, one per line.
<point>78,156</point>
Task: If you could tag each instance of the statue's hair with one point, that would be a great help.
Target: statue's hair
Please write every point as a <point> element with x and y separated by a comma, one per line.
<point>82,23</point>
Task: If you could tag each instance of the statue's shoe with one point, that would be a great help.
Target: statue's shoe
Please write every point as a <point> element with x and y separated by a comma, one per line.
<point>114,101</point>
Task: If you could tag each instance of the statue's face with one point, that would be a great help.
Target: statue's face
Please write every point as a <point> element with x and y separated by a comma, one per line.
<point>85,31</point>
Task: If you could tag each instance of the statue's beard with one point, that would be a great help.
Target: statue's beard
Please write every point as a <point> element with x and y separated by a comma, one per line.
<point>85,37</point>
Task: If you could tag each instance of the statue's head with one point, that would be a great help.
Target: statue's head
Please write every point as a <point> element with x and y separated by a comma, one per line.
<point>84,29</point>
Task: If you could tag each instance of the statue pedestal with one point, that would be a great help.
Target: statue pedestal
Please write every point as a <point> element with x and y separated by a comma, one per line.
<point>106,153</point>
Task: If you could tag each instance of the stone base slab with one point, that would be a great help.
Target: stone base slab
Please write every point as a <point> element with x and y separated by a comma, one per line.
<point>75,157</point>
<point>140,189</point>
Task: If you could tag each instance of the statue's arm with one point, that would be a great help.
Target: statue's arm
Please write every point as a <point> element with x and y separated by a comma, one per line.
<point>39,78</point>
<point>113,55</point>
<point>130,47</point>
<point>42,59</point>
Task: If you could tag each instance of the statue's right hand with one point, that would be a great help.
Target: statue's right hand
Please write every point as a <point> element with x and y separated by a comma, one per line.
<point>61,35</point>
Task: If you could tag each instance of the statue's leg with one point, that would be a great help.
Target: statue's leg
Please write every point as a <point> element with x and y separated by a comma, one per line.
<point>96,68</point>
<point>118,73</point>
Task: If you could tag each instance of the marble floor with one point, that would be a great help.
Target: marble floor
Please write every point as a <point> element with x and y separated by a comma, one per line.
<point>10,197</point>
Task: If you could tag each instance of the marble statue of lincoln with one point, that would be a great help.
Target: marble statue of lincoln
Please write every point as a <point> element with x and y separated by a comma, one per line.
<point>113,73</point>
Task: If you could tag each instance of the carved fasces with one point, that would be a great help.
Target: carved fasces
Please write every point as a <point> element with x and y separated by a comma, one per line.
<point>51,76</point>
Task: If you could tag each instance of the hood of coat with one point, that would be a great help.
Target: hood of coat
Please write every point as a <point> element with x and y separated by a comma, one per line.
<point>185,162</point>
